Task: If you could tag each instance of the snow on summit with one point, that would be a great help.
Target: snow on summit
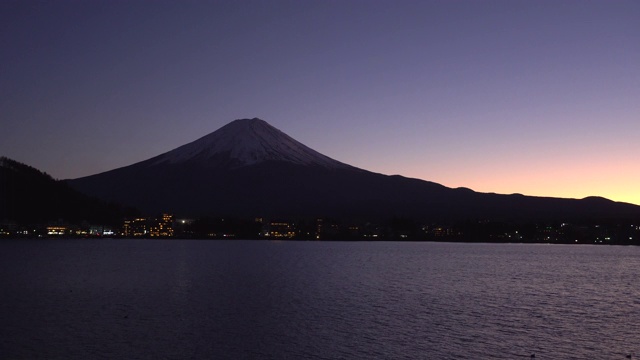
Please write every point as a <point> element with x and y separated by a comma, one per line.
<point>247,142</point>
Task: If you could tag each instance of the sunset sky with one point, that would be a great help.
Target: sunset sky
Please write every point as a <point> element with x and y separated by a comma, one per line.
<point>533,97</point>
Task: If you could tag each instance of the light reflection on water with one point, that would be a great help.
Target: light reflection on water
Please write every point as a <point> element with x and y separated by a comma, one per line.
<point>319,300</point>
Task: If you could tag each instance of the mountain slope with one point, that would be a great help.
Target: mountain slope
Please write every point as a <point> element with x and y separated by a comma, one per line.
<point>29,196</point>
<point>249,168</point>
<point>246,142</point>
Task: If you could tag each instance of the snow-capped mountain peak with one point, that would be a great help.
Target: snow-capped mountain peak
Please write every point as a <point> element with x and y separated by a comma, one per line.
<point>247,142</point>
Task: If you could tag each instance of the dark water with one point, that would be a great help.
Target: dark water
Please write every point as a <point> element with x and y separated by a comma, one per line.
<point>148,299</point>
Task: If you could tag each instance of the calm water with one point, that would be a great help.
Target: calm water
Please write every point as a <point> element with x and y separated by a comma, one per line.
<point>149,299</point>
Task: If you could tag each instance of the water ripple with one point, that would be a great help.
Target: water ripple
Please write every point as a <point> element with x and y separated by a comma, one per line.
<point>291,300</point>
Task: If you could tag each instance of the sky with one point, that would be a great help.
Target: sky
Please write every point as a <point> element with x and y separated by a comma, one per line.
<point>533,97</point>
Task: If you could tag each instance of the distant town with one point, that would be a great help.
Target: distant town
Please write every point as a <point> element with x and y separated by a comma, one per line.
<point>168,226</point>
<point>351,204</point>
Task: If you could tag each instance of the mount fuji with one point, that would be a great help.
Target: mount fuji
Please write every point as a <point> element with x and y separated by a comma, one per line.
<point>250,168</point>
<point>247,142</point>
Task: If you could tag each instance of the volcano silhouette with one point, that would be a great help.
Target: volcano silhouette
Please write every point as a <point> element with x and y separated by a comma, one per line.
<point>250,168</point>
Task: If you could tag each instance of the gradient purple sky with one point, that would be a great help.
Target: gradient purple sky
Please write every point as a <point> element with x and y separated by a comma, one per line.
<point>533,97</point>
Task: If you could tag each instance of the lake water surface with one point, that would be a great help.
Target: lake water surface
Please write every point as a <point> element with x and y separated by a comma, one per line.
<point>181,299</point>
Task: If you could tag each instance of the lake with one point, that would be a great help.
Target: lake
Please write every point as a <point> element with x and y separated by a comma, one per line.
<point>197,299</point>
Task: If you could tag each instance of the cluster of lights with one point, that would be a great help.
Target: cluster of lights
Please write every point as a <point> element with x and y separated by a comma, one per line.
<point>56,230</point>
<point>142,227</point>
<point>282,230</point>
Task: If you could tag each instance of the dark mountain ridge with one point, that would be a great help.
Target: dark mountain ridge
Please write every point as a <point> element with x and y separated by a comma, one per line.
<point>29,196</point>
<point>249,168</point>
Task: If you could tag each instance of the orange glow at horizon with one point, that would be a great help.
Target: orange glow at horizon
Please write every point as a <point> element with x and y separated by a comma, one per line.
<point>615,180</point>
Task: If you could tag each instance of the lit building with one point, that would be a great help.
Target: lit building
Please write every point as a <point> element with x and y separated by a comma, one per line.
<point>135,227</point>
<point>56,230</point>
<point>162,227</point>
<point>280,229</point>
